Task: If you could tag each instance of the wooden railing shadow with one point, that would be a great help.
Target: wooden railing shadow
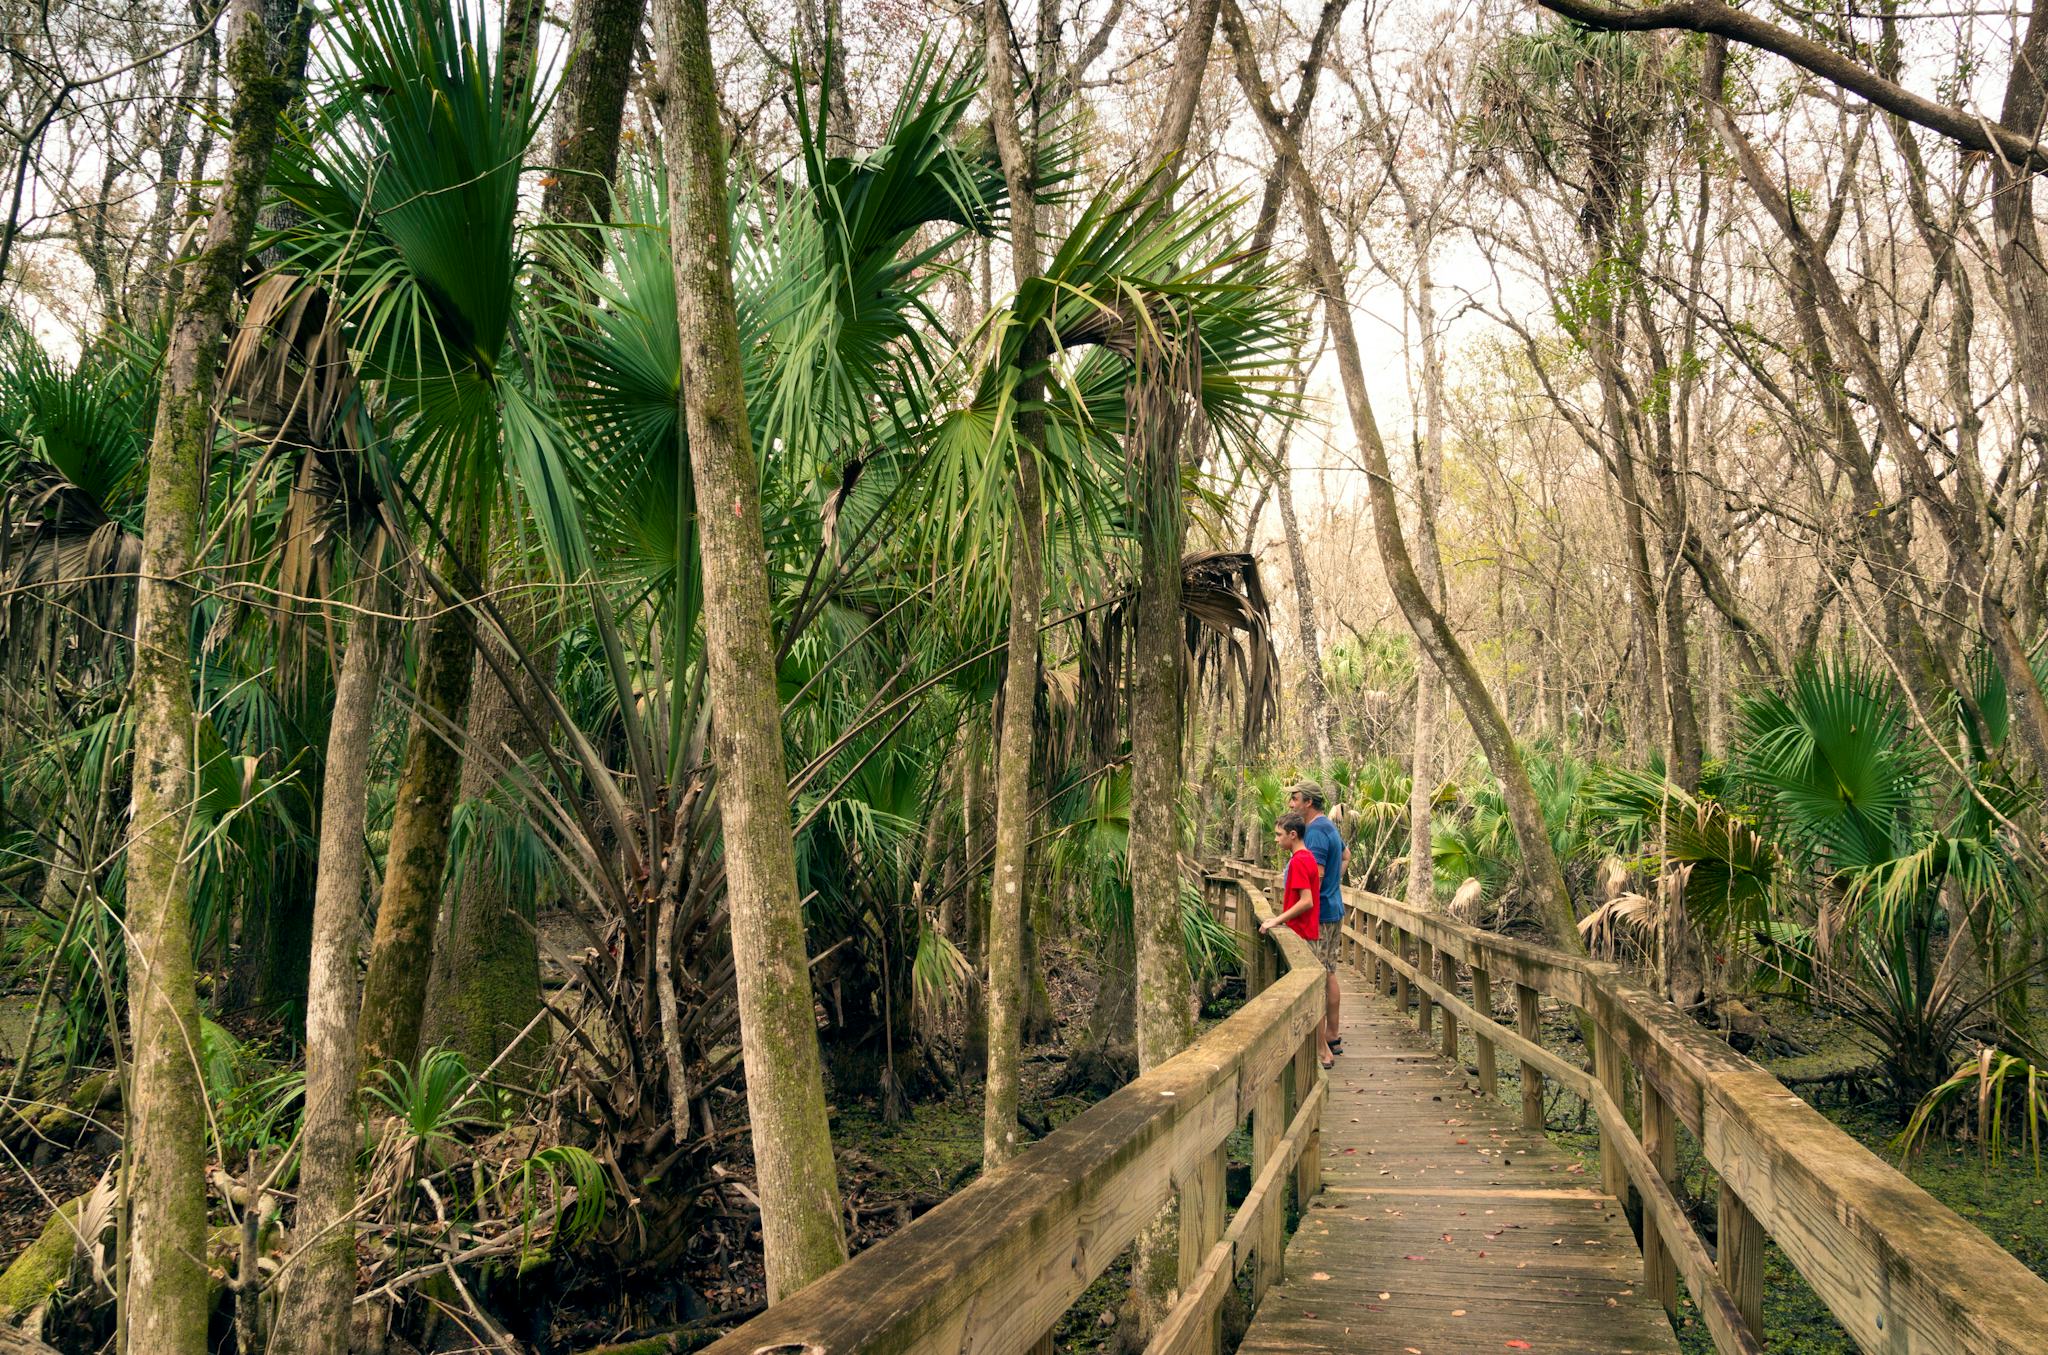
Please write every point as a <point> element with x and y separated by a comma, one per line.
<point>994,1268</point>
<point>1900,1271</point>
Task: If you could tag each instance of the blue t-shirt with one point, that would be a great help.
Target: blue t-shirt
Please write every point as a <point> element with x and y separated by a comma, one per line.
<point>1327,844</point>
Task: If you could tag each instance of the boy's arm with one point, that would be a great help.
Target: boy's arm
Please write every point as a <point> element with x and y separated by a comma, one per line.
<point>1308,898</point>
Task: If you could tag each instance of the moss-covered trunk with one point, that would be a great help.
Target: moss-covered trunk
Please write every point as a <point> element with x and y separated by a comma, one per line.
<point>166,1298</point>
<point>1165,391</point>
<point>484,988</point>
<point>801,1231</point>
<point>589,111</point>
<point>1007,900</point>
<point>429,782</point>
<point>317,1292</point>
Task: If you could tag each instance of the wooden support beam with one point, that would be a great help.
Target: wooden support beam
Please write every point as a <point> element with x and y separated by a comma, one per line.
<point>1400,975</point>
<point>1308,1168</point>
<point>1203,1210</point>
<point>1482,998</point>
<point>1249,943</point>
<point>1532,1076</point>
<point>1740,1260</point>
<point>1449,962</point>
<point>1269,1126</point>
<point>1607,1071</point>
<point>1661,1145</point>
<point>1425,966</point>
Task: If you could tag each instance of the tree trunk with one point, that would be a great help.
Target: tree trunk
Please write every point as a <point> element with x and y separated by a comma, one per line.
<point>152,296</point>
<point>1007,903</point>
<point>416,861</point>
<point>975,812</point>
<point>1165,386</point>
<point>484,986</point>
<point>801,1231</point>
<point>485,981</point>
<point>166,1298</point>
<point>1429,476</point>
<point>1318,718</point>
<point>589,112</point>
<point>317,1293</point>
<point>1433,632</point>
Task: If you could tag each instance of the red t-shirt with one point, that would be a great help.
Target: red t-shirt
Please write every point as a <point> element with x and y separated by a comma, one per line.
<point>1303,873</point>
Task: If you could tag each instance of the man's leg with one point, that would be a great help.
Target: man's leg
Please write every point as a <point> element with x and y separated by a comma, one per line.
<point>1331,1028</point>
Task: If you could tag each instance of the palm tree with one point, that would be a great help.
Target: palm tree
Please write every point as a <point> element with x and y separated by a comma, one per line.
<point>167,1309</point>
<point>404,195</point>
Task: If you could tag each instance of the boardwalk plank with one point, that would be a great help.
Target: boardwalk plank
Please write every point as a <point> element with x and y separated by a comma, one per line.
<point>1444,1227</point>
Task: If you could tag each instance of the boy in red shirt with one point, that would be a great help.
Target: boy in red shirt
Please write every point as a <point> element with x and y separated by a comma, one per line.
<point>1301,892</point>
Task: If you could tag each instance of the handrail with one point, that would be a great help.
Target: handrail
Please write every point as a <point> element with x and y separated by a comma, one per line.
<point>1901,1272</point>
<point>993,1268</point>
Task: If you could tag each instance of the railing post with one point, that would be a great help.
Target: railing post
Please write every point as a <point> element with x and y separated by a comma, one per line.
<point>1607,1069</point>
<point>1249,944</point>
<point>1308,1168</point>
<point>1425,967</point>
<point>1661,1145</point>
<point>1269,1127</point>
<point>1400,949</point>
<point>1482,1000</point>
<point>1741,1260</point>
<point>1532,1077</point>
<point>1202,1208</point>
<point>1447,966</point>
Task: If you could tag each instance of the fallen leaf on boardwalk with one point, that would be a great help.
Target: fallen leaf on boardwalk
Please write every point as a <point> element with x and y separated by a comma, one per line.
<point>1447,1237</point>
<point>1461,1140</point>
<point>1457,1312</point>
<point>1319,1275</point>
<point>1521,1265</point>
<point>1385,1295</point>
<point>1518,1345</point>
<point>1482,1253</point>
<point>1411,1257</point>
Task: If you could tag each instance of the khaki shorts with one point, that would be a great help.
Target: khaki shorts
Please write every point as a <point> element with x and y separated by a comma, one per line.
<point>1329,945</point>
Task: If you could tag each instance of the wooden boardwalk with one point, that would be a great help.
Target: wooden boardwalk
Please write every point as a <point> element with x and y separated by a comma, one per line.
<point>1445,1228</point>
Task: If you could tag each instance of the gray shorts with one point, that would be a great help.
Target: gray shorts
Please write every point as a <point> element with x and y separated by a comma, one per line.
<point>1329,944</point>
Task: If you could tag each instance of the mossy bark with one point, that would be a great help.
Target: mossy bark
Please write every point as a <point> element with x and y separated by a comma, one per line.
<point>1166,387</point>
<point>590,110</point>
<point>484,987</point>
<point>166,1294</point>
<point>801,1231</point>
<point>429,782</point>
<point>316,1293</point>
<point>42,1267</point>
<point>1008,901</point>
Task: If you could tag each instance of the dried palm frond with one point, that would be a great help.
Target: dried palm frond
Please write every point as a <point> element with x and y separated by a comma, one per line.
<point>1622,918</point>
<point>1228,637</point>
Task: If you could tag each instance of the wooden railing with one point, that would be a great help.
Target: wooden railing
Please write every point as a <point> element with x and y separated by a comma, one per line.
<point>1899,1271</point>
<point>995,1267</point>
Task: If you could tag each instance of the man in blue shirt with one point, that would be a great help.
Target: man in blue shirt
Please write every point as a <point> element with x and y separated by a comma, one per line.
<point>1326,844</point>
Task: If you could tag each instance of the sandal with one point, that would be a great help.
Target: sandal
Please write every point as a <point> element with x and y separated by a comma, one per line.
<point>1329,1061</point>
